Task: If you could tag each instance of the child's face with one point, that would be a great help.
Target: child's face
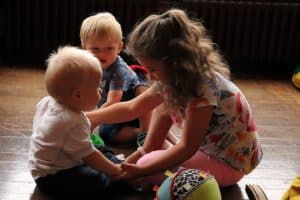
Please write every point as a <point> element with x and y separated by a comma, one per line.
<point>156,68</point>
<point>90,93</point>
<point>105,49</point>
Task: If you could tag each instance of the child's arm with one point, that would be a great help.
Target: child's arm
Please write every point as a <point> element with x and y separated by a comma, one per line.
<point>159,127</point>
<point>195,127</point>
<point>126,111</point>
<point>113,96</point>
<point>99,162</point>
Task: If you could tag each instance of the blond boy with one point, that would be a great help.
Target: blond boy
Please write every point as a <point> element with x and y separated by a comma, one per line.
<point>102,35</point>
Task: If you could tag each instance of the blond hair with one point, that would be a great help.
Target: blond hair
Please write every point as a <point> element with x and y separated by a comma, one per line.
<point>67,68</point>
<point>102,24</point>
<point>185,48</point>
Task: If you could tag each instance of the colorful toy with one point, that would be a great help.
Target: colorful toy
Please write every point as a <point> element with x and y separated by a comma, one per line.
<point>97,140</point>
<point>296,77</point>
<point>189,184</point>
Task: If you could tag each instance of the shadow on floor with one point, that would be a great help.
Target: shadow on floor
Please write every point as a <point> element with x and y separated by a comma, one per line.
<point>124,192</point>
<point>116,192</point>
<point>232,193</point>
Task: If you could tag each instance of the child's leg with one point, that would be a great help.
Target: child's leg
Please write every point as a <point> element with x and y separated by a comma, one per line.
<point>119,133</point>
<point>223,173</point>
<point>127,134</point>
<point>156,179</point>
<point>80,180</point>
<point>130,131</point>
<point>108,131</point>
<point>108,153</point>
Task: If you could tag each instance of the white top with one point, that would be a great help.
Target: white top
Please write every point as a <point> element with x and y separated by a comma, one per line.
<point>60,138</point>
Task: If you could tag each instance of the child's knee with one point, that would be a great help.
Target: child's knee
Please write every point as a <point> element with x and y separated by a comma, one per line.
<point>148,157</point>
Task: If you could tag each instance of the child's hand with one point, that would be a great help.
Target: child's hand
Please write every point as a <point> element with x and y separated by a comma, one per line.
<point>130,171</point>
<point>133,158</point>
<point>119,169</point>
<point>116,171</point>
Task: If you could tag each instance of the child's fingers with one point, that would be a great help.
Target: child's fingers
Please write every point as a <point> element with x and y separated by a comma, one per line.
<point>130,171</point>
<point>128,166</point>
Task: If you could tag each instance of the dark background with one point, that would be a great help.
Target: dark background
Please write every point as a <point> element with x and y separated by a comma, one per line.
<point>253,36</point>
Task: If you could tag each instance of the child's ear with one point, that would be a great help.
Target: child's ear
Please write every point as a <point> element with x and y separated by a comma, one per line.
<point>83,46</point>
<point>76,94</point>
<point>121,44</point>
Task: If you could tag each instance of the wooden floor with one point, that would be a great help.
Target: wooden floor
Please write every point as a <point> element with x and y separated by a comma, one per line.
<point>275,101</point>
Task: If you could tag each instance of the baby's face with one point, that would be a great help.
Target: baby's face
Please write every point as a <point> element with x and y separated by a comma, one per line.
<point>90,92</point>
<point>105,49</point>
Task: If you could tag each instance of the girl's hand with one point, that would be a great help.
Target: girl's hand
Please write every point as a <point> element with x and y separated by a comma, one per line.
<point>133,158</point>
<point>130,171</point>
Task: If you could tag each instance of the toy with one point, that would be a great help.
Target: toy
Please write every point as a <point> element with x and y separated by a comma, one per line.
<point>296,77</point>
<point>293,193</point>
<point>97,140</point>
<point>189,184</point>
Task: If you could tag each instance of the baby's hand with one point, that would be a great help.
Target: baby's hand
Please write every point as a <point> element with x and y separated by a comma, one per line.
<point>130,171</point>
<point>117,170</point>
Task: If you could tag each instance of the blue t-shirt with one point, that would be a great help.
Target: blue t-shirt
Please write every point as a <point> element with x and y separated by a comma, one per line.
<point>119,76</point>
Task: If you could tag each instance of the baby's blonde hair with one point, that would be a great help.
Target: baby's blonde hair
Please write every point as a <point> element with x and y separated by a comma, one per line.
<point>102,24</point>
<point>67,68</point>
